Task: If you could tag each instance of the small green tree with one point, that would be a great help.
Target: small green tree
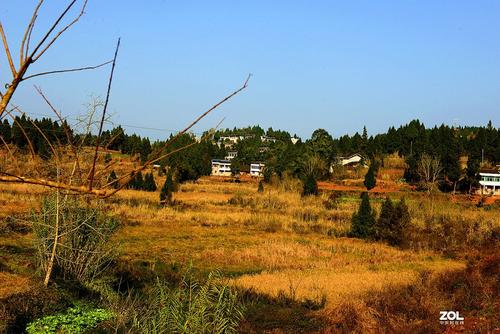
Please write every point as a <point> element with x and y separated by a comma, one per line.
<point>383,229</point>
<point>149,182</point>
<point>261,187</point>
<point>310,186</point>
<point>370,180</point>
<point>167,190</point>
<point>402,221</point>
<point>363,221</point>
<point>393,222</point>
<point>112,179</point>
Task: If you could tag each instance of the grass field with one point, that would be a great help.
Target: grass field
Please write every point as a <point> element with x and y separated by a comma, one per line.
<point>289,255</point>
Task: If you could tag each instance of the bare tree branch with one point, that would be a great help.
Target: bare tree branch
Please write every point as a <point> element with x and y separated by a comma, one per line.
<point>67,70</point>
<point>7,51</point>
<point>82,11</point>
<point>27,33</point>
<point>92,171</point>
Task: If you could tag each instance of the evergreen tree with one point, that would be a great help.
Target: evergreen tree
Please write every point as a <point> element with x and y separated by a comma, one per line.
<point>149,182</point>
<point>310,186</point>
<point>383,228</point>
<point>113,178</point>
<point>261,187</point>
<point>5,131</point>
<point>370,180</point>
<point>167,190</point>
<point>472,171</point>
<point>363,221</point>
<point>401,222</point>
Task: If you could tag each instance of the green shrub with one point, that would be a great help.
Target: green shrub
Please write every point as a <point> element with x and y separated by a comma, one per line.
<point>310,186</point>
<point>74,320</point>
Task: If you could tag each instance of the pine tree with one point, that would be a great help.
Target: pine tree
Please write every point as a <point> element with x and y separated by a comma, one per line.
<point>149,182</point>
<point>401,223</point>
<point>363,221</point>
<point>167,190</point>
<point>370,180</point>
<point>393,223</point>
<point>113,178</point>
<point>261,187</point>
<point>310,186</point>
<point>383,229</point>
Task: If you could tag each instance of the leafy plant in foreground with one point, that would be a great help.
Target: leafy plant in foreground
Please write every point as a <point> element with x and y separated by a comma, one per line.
<point>74,320</point>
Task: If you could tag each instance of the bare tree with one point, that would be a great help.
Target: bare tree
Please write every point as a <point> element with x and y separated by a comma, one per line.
<point>29,54</point>
<point>429,169</point>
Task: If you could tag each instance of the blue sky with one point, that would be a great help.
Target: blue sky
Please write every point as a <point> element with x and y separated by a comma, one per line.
<point>337,65</point>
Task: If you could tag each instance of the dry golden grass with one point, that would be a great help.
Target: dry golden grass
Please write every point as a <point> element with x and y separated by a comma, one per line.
<point>273,242</point>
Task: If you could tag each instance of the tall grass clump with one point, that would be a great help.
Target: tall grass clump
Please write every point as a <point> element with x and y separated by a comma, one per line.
<point>82,234</point>
<point>191,307</point>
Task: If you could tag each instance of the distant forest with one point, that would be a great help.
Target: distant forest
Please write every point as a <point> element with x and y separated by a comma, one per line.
<point>410,141</point>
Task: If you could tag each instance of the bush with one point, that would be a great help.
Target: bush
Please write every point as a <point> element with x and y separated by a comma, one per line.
<point>84,248</point>
<point>310,186</point>
<point>192,307</point>
<point>74,320</point>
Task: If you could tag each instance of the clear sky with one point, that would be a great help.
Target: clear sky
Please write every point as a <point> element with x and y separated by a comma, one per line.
<point>337,65</point>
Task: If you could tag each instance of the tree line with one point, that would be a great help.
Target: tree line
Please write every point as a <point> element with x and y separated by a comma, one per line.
<point>412,141</point>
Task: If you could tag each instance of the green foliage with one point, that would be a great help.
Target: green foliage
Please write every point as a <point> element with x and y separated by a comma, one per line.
<point>192,307</point>
<point>149,182</point>
<point>74,320</point>
<point>321,143</point>
<point>370,177</point>
<point>260,189</point>
<point>363,221</point>
<point>168,189</point>
<point>310,186</point>
<point>140,182</point>
<point>393,223</point>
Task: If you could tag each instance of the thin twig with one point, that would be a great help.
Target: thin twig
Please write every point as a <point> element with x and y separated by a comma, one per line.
<point>37,56</point>
<point>67,70</point>
<point>91,178</point>
<point>27,33</point>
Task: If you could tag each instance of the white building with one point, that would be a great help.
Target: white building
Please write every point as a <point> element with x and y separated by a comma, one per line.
<point>267,139</point>
<point>256,169</point>
<point>489,181</point>
<point>221,167</point>
<point>350,160</point>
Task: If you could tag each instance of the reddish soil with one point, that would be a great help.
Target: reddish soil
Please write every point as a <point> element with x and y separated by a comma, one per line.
<point>384,187</point>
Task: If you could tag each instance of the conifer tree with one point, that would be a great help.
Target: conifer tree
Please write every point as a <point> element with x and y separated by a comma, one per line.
<point>310,186</point>
<point>363,221</point>
<point>383,229</point>
<point>149,182</point>
<point>167,190</point>
<point>401,223</point>
<point>370,180</point>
